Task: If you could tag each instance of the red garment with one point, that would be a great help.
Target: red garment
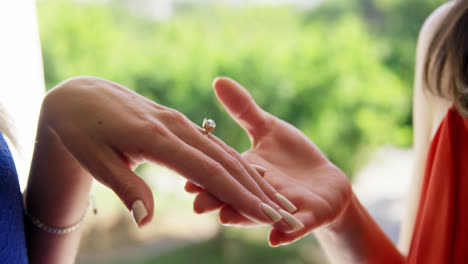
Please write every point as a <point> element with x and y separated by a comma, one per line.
<point>441,230</point>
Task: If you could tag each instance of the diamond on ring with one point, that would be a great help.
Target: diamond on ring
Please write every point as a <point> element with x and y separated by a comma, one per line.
<point>208,125</point>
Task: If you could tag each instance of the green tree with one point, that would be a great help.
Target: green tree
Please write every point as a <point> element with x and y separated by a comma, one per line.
<point>342,77</point>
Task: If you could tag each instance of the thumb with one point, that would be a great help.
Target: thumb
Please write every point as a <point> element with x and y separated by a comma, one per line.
<point>241,106</point>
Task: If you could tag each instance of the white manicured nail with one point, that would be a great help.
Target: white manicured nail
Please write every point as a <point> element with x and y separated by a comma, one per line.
<point>291,220</point>
<point>290,207</point>
<point>139,211</point>
<point>259,168</point>
<point>275,216</point>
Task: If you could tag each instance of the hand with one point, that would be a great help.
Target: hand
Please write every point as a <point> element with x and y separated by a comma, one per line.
<point>294,166</point>
<point>109,130</point>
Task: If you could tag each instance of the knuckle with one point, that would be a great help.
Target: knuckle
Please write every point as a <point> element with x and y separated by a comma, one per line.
<point>155,129</point>
<point>214,167</point>
<point>174,119</point>
<point>233,164</point>
<point>234,159</point>
<point>231,151</point>
<point>172,115</point>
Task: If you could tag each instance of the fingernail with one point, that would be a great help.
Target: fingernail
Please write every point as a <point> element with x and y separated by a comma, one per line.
<point>290,207</point>
<point>275,216</point>
<point>291,220</point>
<point>139,211</point>
<point>259,168</point>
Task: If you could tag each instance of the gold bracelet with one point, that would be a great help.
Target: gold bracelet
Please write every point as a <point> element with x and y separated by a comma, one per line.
<point>56,230</point>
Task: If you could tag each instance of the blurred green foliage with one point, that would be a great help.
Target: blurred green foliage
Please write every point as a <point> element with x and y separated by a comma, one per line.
<point>341,72</point>
<point>230,249</point>
<point>234,251</point>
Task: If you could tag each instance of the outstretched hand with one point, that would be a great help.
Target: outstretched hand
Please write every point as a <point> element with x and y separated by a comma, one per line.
<point>295,167</point>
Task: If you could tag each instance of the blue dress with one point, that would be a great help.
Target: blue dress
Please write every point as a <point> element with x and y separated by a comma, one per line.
<point>12,239</point>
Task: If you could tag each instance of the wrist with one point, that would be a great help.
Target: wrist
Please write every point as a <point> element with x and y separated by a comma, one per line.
<point>57,99</point>
<point>58,187</point>
<point>355,237</point>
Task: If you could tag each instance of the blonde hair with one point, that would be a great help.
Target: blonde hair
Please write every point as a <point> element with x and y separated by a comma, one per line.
<point>7,126</point>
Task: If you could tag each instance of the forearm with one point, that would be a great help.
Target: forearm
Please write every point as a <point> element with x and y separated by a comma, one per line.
<point>57,194</point>
<point>356,238</point>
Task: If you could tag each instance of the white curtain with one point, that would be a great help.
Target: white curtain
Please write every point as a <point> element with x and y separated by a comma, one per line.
<point>21,75</point>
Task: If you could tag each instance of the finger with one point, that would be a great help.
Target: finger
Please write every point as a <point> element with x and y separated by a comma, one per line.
<point>270,191</point>
<point>241,107</point>
<point>205,202</point>
<point>261,170</point>
<point>131,189</point>
<point>246,175</point>
<point>202,170</point>
<point>190,187</point>
<point>229,216</point>
<point>277,237</point>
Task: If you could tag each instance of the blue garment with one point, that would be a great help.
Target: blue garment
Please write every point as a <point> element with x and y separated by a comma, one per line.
<point>12,239</point>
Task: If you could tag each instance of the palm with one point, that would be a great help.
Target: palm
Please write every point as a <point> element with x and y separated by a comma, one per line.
<point>299,170</point>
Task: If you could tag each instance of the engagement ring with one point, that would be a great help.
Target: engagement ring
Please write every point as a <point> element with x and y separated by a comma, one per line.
<point>208,125</point>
